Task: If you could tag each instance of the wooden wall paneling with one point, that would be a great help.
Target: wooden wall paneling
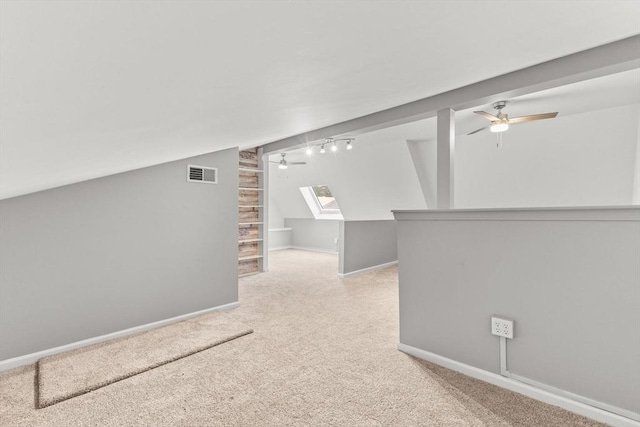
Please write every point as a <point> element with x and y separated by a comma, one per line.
<point>250,213</point>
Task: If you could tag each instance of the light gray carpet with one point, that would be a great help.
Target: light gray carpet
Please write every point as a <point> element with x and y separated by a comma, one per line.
<point>73,373</point>
<point>324,353</point>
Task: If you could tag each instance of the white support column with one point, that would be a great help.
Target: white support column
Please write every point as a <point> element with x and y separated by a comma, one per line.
<point>446,158</point>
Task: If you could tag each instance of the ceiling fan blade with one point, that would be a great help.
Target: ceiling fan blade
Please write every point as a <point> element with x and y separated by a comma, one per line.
<point>486,115</point>
<point>296,163</point>
<point>478,130</point>
<point>532,117</point>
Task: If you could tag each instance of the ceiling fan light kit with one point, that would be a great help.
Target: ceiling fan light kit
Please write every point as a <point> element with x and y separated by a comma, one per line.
<point>284,164</point>
<point>501,121</point>
<point>499,127</point>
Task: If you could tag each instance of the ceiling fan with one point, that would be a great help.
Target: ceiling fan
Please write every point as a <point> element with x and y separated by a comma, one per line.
<point>283,164</point>
<point>500,122</point>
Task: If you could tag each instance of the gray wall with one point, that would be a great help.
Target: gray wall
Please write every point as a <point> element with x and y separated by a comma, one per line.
<point>570,280</point>
<point>318,234</point>
<point>365,244</point>
<point>279,238</point>
<point>112,253</point>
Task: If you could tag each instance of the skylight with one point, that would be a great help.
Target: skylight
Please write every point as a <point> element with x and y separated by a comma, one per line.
<point>325,198</point>
<point>321,202</point>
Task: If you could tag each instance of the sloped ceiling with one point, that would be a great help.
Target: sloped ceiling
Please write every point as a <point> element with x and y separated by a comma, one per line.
<point>584,157</point>
<point>601,93</point>
<point>94,88</point>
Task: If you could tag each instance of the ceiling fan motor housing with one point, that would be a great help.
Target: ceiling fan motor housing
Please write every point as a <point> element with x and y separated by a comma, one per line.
<point>499,105</point>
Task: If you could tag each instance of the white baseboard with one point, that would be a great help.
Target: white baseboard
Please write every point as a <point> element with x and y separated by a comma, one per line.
<point>279,248</point>
<point>28,359</point>
<point>307,248</point>
<point>375,267</point>
<point>522,388</point>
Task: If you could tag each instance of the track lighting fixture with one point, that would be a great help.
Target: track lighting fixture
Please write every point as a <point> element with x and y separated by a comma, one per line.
<point>333,145</point>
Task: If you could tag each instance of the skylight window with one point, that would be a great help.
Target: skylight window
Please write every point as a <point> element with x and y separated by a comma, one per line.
<point>325,199</point>
<point>321,202</point>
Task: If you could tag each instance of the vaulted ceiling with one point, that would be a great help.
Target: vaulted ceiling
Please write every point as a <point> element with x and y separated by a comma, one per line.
<point>94,88</point>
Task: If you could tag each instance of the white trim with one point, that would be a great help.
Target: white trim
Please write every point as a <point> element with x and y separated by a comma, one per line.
<point>281,229</point>
<point>279,248</point>
<point>600,213</point>
<point>375,267</point>
<point>307,248</point>
<point>578,398</point>
<point>522,388</point>
<point>28,359</point>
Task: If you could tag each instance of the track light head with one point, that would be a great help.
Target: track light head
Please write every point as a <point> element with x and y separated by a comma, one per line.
<point>322,150</point>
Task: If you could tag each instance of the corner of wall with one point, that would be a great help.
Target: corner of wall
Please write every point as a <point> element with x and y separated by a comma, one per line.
<point>635,197</point>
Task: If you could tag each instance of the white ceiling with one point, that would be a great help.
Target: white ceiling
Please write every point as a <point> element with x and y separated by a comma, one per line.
<point>601,93</point>
<point>94,88</point>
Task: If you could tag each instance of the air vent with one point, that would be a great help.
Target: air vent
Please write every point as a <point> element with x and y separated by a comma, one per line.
<point>202,174</point>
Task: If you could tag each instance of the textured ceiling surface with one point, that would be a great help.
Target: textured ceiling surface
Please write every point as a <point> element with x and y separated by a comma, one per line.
<point>94,88</point>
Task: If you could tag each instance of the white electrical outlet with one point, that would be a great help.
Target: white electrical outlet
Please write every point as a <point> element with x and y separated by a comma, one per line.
<point>502,327</point>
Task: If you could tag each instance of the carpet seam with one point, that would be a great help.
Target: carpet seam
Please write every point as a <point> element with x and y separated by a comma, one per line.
<point>50,402</point>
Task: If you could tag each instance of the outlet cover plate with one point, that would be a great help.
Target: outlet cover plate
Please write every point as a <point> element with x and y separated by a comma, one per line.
<point>502,327</point>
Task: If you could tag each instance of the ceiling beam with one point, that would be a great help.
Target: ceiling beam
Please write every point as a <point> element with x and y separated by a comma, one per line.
<point>619,56</point>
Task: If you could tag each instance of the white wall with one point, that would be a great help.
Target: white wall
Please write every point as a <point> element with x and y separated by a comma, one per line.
<point>578,160</point>
<point>368,181</point>
<point>424,155</point>
<point>276,219</point>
